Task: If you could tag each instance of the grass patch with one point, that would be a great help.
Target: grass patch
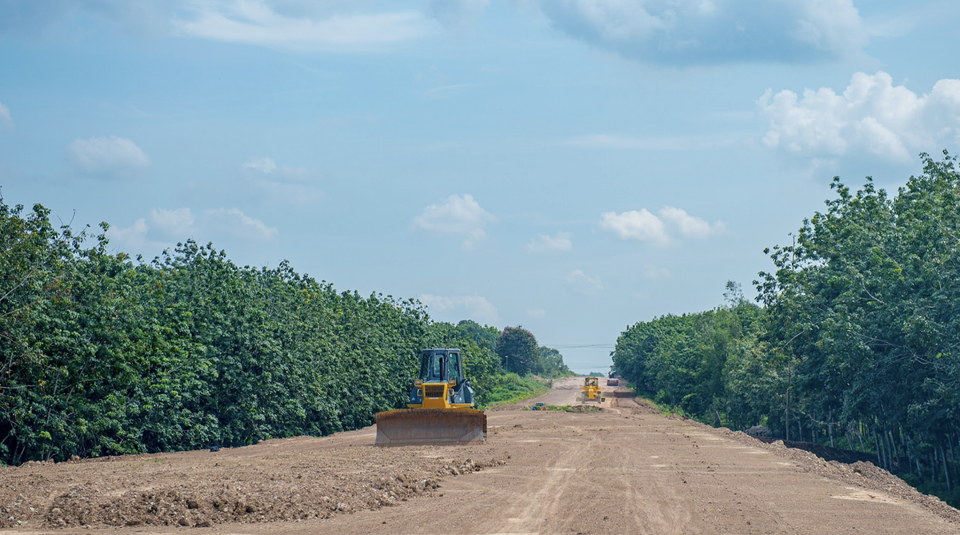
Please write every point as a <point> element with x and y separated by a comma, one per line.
<point>511,388</point>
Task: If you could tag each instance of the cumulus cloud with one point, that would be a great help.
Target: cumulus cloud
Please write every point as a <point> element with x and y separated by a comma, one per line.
<point>6,120</point>
<point>688,225</point>
<point>177,224</point>
<point>112,157</point>
<point>163,227</point>
<point>712,31</point>
<point>644,226</point>
<point>635,225</point>
<point>233,222</point>
<point>455,13</point>
<point>459,307</point>
<point>544,244</point>
<point>295,25</point>
<point>871,116</point>
<point>580,282</point>
<point>133,239</point>
<point>457,215</point>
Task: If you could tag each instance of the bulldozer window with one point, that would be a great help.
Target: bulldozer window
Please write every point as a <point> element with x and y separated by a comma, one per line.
<point>435,370</point>
<point>453,365</point>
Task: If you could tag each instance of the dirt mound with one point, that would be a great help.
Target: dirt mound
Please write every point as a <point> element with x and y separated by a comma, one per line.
<point>261,483</point>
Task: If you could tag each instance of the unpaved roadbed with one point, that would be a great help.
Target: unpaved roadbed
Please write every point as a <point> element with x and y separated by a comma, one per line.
<point>626,469</point>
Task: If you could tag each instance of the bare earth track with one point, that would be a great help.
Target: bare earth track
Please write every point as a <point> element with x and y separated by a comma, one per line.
<point>625,469</point>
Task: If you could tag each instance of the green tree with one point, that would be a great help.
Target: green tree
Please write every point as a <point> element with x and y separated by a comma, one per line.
<point>551,363</point>
<point>518,351</point>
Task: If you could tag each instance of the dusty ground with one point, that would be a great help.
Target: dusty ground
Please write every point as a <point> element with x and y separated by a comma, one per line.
<point>626,469</point>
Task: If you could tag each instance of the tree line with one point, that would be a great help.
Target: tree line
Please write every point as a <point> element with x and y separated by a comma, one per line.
<point>102,354</point>
<point>856,344</point>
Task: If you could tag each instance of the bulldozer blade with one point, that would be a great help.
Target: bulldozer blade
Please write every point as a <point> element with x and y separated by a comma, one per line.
<point>407,427</point>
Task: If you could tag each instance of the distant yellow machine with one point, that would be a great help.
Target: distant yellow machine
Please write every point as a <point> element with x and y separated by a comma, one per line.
<point>591,390</point>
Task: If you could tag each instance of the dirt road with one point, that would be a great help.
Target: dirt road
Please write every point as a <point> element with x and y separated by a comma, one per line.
<point>564,392</point>
<point>626,469</point>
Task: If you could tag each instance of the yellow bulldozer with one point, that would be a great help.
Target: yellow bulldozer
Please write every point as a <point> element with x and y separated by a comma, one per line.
<point>439,410</point>
<point>591,390</point>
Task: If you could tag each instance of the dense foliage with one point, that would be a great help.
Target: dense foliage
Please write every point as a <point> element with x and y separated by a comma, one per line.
<point>519,353</point>
<point>692,361</point>
<point>551,363</point>
<point>101,355</point>
<point>858,343</point>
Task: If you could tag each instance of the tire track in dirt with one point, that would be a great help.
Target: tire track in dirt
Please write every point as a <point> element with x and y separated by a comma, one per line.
<point>658,508</point>
<point>542,499</point>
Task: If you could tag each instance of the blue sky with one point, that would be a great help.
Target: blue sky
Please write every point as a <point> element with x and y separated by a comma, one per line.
<point>572,166</point>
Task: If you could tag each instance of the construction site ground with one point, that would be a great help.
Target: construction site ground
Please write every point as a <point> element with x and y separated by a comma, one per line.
<point>627,468</point>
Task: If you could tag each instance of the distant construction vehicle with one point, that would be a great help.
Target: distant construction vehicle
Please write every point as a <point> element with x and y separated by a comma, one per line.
<point>439,409</point>
<point>613,381</point>
<point>591,390</point>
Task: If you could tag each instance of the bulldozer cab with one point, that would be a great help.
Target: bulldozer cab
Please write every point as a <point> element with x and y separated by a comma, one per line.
<point>441,383</point>
<point>441,366</point>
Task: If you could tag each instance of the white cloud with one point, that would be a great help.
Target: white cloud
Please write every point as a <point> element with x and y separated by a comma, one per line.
<point>458,215</point>
<point>112,156</point>
<point>712,31</point>
<point>644,226</point>
<point>455,13</point>
<point>543,243</point>
<point>6,120</point>
<point>688,225</point>
<point>871,116</point>
<point>580,282</point>
<point>163,227</point>
<point>296,26</point>
<point>133,238</point>
<point>459,307</point>
<point>264,165</point>
<point>634,225</point>
<point>233,222</point>
<point>178,224</point>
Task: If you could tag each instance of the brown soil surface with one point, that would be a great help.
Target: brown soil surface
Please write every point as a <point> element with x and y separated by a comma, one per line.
<point>625,469</point>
